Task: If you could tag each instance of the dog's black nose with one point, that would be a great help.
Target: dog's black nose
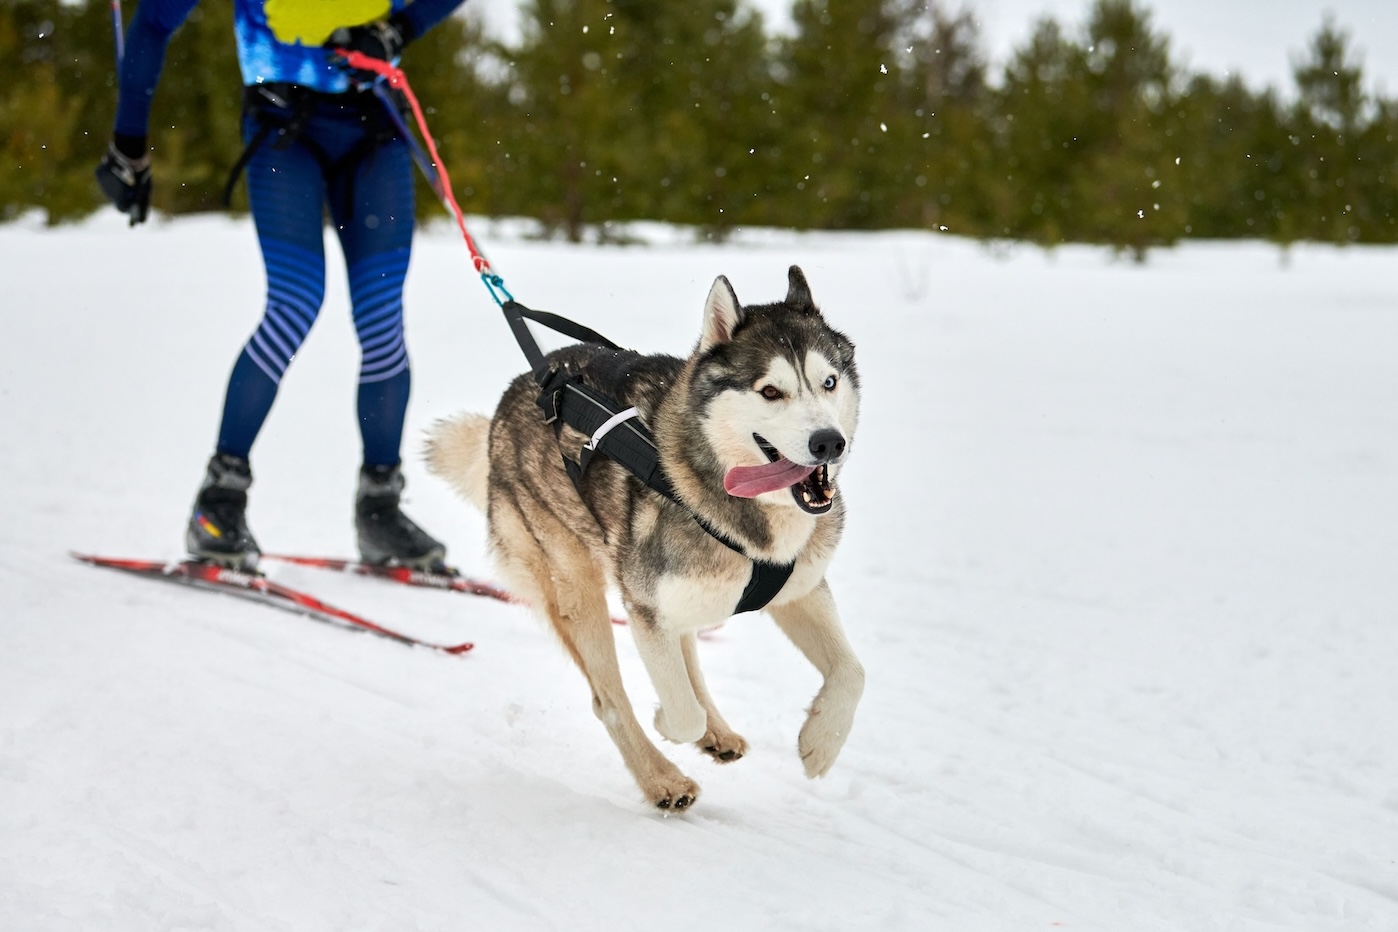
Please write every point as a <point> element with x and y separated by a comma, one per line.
<point>826,445</point>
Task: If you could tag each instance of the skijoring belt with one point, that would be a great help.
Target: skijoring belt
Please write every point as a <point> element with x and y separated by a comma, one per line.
<point>281,112</point>
<point>618,433</point>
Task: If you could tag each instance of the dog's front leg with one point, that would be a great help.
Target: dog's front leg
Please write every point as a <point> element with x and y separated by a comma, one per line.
<point>720,742</point>
<point>814,627</point>
<point>680,717</point>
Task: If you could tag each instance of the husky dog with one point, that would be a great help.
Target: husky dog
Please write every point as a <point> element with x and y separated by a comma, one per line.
<point>751,430</point>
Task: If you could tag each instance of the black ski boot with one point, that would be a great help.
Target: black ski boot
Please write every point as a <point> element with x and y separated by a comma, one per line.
<point>218,528</point>
<point>387,536</point>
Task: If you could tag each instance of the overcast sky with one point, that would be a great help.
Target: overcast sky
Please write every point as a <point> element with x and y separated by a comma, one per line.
<point>1254,37</point>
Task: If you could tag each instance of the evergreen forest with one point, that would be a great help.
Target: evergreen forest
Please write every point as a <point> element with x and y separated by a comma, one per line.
<point>867,114</point>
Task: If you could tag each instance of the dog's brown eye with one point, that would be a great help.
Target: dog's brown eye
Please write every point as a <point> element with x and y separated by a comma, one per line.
<point>771,392</point>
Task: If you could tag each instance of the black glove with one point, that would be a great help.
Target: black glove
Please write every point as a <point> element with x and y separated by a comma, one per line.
<point>383,39</point>
<point>126,182</point>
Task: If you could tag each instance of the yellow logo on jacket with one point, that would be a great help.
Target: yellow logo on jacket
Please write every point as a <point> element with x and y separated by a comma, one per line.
<point>310,22</point>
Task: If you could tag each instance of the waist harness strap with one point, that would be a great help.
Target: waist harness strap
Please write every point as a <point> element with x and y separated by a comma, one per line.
<point>284,109</point>
<point>619,434</point>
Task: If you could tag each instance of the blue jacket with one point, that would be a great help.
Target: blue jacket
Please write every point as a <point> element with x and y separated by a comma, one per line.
<point>278,40</point>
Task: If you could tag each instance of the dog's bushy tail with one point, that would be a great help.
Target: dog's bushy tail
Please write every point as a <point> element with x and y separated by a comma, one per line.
<point>457,450</point>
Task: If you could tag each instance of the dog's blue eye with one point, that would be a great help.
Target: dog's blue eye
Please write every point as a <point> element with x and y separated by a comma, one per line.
<point>830,383</point>
<point>771,392</point>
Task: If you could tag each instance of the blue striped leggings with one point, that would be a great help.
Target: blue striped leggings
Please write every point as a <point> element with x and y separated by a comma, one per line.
<point>371,206</point>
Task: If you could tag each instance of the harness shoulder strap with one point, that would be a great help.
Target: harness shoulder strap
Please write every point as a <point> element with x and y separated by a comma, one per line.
<point>627,441</point>
<point>516,314</point>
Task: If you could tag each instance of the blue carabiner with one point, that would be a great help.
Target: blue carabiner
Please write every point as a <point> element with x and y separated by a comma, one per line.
<point>496,286</point>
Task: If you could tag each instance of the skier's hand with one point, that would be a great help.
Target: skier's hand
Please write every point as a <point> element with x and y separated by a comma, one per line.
<point>383,39</point>
<point>126,182</point>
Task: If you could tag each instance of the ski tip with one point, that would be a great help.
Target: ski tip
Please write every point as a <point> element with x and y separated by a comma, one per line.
<point>459,648</point>
<point>119,563</point>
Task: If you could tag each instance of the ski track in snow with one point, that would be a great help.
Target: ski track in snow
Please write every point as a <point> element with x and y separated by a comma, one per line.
<point>1119,566</point>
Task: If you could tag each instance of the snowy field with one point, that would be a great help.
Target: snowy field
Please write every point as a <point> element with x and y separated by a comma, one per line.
<point>1122,567</point>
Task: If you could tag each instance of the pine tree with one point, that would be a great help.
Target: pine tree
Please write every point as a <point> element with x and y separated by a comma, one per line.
<point>56,103</point>
<point>1042,136</point>
<point>1330,81</point>
<point>1128,78</point>
<point>940,132</point>
<point>1237,172</point>
<point>1084,134</point>
<point>836,96</point>
<point>1328,118</point>
<point>572,125</point>
<point>696,74</point>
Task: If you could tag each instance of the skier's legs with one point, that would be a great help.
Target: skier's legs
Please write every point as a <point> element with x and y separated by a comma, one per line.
<point>286,191</point>
<point>376,233</point>
<point>372,207</point>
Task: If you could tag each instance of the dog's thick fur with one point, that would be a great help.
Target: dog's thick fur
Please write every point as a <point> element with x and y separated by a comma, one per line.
<point>559,551</point>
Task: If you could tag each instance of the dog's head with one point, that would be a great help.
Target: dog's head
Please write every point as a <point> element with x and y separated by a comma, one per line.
<point>778,396</point>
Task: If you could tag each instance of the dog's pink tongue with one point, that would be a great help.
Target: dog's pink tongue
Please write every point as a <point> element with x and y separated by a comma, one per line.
<point>752,481</point>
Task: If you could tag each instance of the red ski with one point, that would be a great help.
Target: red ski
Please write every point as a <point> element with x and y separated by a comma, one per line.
<point>258,588</point>
<point>449,580</point>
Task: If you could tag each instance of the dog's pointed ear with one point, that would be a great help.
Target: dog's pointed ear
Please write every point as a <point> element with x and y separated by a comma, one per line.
<point>722,315</point>
<point>798,293</point>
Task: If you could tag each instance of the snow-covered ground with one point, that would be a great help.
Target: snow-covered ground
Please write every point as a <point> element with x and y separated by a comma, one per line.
<point>1122,568</point>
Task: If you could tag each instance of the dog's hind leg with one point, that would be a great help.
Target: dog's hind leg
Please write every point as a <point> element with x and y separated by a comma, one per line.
<point>594,645</point>
<point>568,587</point>
<point>813,625</point>
<point>719,741</point>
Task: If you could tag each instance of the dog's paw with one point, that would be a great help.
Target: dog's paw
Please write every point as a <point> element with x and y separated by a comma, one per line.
<point>722,745</point>
<point>823,736</point>
<point>673,794</point>
<point>819,746</point>
<point>682,728</point>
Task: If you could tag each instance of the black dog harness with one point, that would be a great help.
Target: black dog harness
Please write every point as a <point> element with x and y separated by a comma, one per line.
<point>619,434</point>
